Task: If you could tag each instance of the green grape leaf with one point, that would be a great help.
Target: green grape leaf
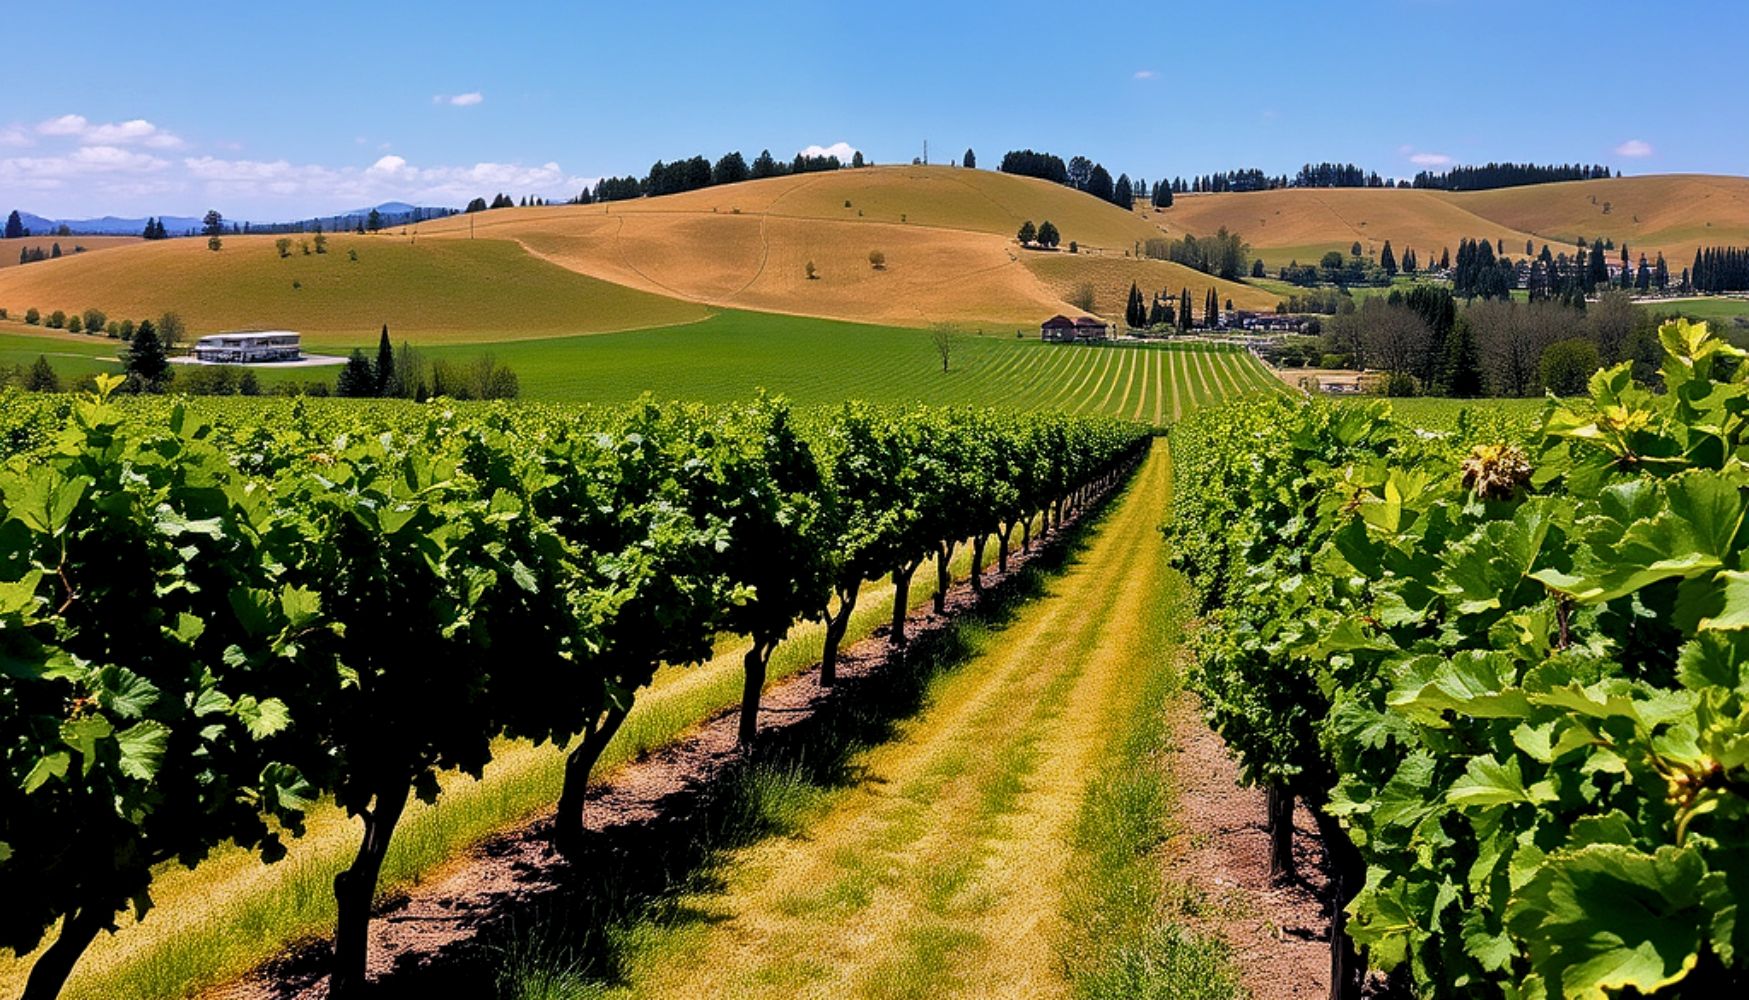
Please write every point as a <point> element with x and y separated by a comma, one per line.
<point>52,765</point>
<point>142,748</point>
<point>1609,917</point>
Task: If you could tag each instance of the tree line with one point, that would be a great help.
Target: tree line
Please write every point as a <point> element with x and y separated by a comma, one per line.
<point>1499,175</point>
<point>1720,269</point>
<point>697,172</point>
<point>367,597</point>
<point>1079,173</point>
<point>1427,342</point>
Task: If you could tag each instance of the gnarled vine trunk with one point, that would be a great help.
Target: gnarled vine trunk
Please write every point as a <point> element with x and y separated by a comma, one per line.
<point>836,625</point>
<point>943,575</point>
<point>1280,811</point>
<point>568,822</point>
<point>78,929</point>
<point>752,689</point>
<point>978,542</point>
<point>901,601</point>
<point>355,889</point>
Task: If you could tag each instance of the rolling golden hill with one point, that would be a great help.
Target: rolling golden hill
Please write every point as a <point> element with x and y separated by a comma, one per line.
<point>946,236</point>
<point>1668,213</point>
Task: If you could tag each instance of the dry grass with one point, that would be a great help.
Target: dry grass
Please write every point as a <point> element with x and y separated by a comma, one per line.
<point>1303,223</point>
<point>948,238</point>
<point>1672,213</point>
<point>435,290</point>
<point>9,248</point>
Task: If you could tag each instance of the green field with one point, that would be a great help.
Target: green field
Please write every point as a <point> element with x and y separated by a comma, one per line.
<point>812,361</point>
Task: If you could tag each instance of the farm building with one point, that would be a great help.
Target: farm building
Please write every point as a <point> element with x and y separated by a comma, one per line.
<point>1063,329</point>
<point>248,348</point>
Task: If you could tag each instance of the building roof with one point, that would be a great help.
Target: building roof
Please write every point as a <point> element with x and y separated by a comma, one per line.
<point>247,335</point>
<point>1090,321</point>
<point>1057,322</point>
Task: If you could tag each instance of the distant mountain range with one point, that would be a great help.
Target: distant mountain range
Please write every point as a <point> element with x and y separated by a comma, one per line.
<point>397,211</point>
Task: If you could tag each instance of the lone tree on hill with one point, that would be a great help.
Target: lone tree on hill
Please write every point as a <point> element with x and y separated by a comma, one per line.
<point>877,260</point>
<point>14,226</point>
<point>971,161</point>
<point>148,370</point>
<point>1028,232</point>
<point>942,336</point>
<point>1047,235</point>
<point>213,224</point>
<point>374,221</point>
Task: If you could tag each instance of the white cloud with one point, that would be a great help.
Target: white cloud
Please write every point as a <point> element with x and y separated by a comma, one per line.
<point>1144,74</point>
<point>843,150</point>
<point>136,130</point>
<point>12,135</point>
<point>1429,159</point>
<point>1634,147</point>
<point>466,100</point>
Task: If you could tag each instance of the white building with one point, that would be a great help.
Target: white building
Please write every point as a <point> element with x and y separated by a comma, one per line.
<point>248,348</point>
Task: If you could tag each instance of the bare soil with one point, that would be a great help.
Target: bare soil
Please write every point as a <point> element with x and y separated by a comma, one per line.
<point>641,825</point>
<point>1219,854</point>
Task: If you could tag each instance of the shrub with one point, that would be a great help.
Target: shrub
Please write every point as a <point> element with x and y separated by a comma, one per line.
<point>1567,366</point>
<point>75,324</point>
<point>57,320</point>
<point>31,316</point>
<point>283,245</point>
<point>95,320</point>
<point>877,260</point>
<point>809,268</point>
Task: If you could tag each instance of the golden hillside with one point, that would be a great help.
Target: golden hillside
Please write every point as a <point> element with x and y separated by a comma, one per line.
<point>946,235</point>
<point>1671,213</point>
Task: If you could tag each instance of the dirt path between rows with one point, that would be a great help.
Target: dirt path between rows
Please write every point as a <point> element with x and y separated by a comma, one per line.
<point>429,942</point>
<point>1220,851</point>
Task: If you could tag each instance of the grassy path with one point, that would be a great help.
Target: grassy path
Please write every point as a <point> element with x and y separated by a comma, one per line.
<point>942,871</point>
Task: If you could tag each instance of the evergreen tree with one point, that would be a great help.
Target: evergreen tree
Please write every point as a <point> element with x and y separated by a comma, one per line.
<point>856,161</point>
<point>731,169</point>
<point>147,369</point>
<point>1463,363</point>
<point>1164,200</point>
<point>14,226</point>
<point>1047,235</point>
<point>384,370</point>
<point>42,377</point>
<point>1388,260</point>
<point>1099,183</point>
<point>1661,274</point>
<point>970,160</point>
<point>1211,310</point>
<point>54,251</point>
<point>1184,309</point>
<point>765,166</point>
<point>213,224</point>
<point>1135,314</point>
<point>1643,278</point>
<point>356,379</point>
<point>1445,259</point>
<point>1028,232</point>
<point>374,221</point>
<point>1122,195</point>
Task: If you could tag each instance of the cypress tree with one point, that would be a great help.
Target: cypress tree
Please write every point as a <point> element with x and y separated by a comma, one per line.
<point>1184,309</point>
<point>384,371</point>
<point>14,226</point>
<point>1463,363</point>
<point>1388,260</point>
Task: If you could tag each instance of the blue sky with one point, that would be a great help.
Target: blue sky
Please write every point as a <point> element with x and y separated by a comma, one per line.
<point>272,111</point>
